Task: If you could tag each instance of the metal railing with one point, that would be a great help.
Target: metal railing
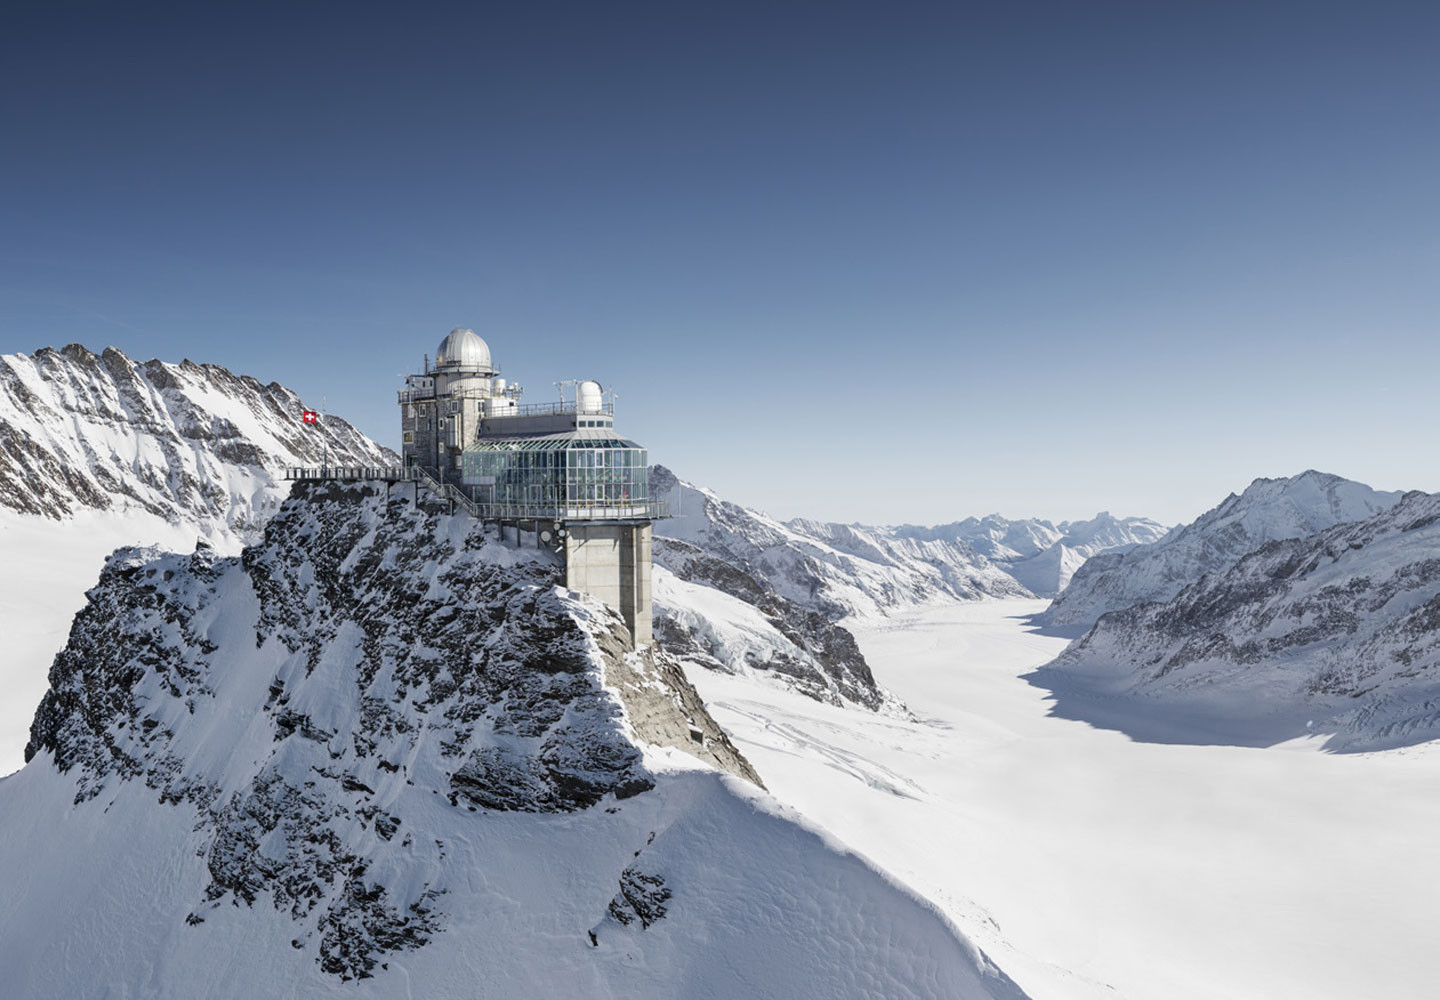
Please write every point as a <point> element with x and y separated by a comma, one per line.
<point>555,409</point>
<point>647,511</point>
<point>459,497</point>
<point>562,408</point>
<point>353,473</point>
<point>446,491</point>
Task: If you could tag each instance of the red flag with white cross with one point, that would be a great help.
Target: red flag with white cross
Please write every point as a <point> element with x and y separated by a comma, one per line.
<point>310,416</point>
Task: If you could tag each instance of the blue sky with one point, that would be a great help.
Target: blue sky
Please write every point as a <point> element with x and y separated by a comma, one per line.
<point>879,262</point>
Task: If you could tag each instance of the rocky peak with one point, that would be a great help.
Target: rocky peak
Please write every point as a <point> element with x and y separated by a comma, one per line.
<point>187,442</point>
<point>1268,510</point>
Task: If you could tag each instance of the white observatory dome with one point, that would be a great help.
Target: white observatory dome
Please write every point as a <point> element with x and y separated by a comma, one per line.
<point>462,348</point>
<point>588,398</point>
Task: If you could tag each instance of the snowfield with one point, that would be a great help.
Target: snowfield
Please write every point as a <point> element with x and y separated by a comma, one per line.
<point>1088,865</point>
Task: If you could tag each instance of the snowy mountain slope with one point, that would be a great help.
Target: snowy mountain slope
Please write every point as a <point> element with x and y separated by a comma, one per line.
<point>714,614</point>
<point>836,569</point>
<point>1340,629</point>
<point>1040,555</point>
<point>382,755</point>
<point>740,592</point>
<point>99,452</point>
<point>48,565</point>
<point>185,442</point>
<point>1117,869</point>
<point>1268,510</point>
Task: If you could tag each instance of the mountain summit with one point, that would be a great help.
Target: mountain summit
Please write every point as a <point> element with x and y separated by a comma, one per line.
<point>1269,510</point>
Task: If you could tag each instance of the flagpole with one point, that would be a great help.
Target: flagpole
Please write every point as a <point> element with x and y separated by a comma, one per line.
<point>324,444</point>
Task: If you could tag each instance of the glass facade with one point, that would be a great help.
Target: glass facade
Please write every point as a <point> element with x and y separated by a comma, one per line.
<point>560,476</point>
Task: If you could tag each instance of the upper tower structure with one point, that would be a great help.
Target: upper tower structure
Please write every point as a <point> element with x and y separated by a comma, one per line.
<point>442,406</point>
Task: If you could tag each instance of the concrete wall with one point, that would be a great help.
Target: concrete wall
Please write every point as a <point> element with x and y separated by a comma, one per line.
<point>612,562</point>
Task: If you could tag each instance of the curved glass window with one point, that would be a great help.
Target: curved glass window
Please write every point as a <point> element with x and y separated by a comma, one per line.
<point>561,476</point>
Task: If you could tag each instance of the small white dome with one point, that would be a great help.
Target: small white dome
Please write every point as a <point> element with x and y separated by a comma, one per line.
<point>462,349</point>
<point>588,398</point>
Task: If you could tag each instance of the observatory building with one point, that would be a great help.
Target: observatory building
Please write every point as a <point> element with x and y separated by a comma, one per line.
<point>558,469</point>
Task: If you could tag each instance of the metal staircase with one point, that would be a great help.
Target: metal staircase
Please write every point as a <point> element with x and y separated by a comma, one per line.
<point>446,491</point>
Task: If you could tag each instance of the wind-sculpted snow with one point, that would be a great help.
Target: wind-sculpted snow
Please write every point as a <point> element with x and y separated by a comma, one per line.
<point>186,442</point>
<point>383,749</point>
<point>1268,510</point>
<point>1335,633</point>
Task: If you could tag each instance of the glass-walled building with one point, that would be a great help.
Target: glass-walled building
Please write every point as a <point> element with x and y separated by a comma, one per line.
<point>582,474</point>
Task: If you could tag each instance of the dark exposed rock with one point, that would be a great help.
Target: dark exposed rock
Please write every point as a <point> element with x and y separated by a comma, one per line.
<point>826,663</point>
<point>641,897</point>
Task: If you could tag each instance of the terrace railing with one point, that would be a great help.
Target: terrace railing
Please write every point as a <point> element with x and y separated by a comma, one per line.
<point>460,498</point>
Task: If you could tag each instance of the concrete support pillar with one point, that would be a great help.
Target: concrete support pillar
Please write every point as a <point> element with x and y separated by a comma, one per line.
<point>612,562</point>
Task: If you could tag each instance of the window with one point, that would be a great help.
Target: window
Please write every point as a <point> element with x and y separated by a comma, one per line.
<point>409,437</point>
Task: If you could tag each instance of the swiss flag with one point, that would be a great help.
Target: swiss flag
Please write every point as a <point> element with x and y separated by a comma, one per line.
<point>310,416</point>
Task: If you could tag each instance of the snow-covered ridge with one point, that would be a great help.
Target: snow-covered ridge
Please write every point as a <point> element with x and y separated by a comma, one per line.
<point>1342,626</point>
<point>1268,510</point>
<point>381,747</point>
<point>186,442</point>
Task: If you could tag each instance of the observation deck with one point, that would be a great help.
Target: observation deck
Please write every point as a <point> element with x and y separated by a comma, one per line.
<point>459,495</point>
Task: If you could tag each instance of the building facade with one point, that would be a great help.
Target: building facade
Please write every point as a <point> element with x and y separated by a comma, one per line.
<point>558,469</point>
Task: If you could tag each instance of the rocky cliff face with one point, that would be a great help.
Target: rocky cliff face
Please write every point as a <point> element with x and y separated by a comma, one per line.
<point>381,748</point>
<point>717,615</point>
<point>183,441</point>
<point>1268,510</point>
<point>1342,626</point>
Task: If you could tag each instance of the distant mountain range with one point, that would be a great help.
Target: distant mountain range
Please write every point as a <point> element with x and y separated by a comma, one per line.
<point>739,591</point>
<point>1042,556</point>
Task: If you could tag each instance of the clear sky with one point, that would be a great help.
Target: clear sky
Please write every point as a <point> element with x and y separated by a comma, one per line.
<point>876,261</point>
